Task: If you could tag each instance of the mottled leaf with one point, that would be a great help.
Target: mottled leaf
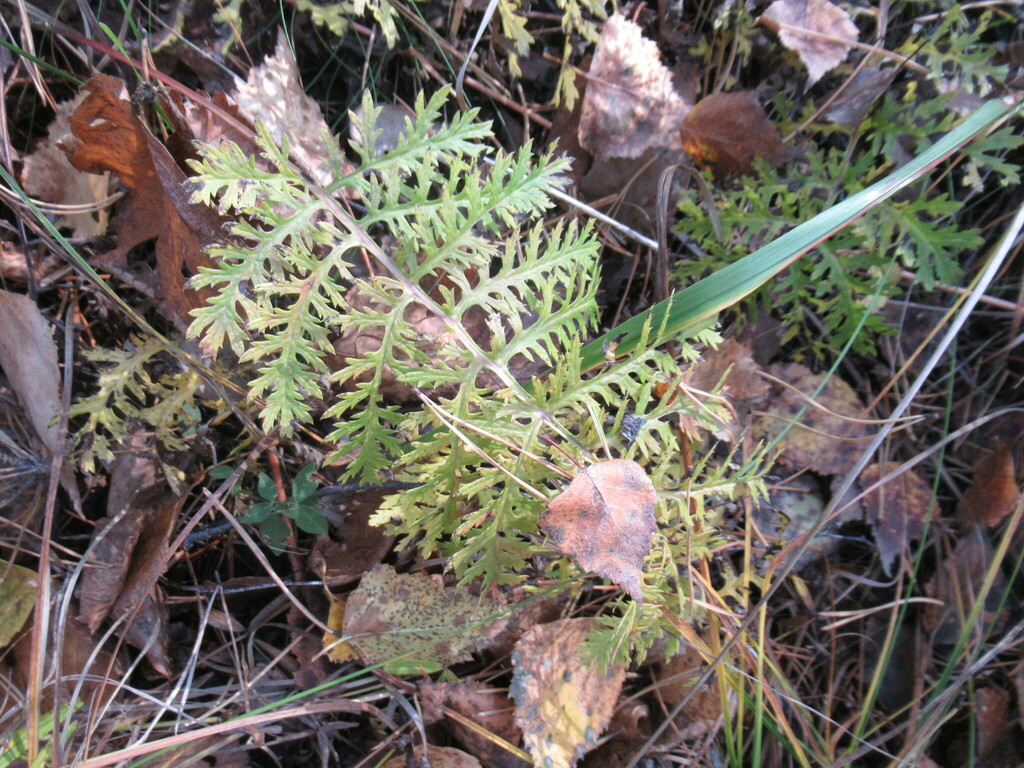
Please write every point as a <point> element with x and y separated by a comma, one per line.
<point>604,521</point>
<point>562,704</point>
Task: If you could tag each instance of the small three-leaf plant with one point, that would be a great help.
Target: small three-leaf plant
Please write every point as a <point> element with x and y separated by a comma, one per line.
<point>301,507</point>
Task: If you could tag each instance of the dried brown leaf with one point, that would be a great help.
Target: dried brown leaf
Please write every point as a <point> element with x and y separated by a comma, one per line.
<point>438,757</point>
<point>562,704</point>
<point>726,131</point>
<point>630,103</point>
<point>47,175</point>
<point>897,511</point>
<point>483,705</point>
<point>819,31</point>
<point>735,363</point>
<point>994,492</point>
<point>28,355</point>
<point>851,106</point>
<point>106,136</point>
<point>702,713</point>
<point>604,521</point>
<point>88,672</point>
<point>359,545</point>
<point>957,584</point>
<point>822,440</point>
<point>130,552</point>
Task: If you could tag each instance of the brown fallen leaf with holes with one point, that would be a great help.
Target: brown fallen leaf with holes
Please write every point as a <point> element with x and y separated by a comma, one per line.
<point>604,521</point>
<point>107,136</point>
<point>727,131</point>
<point>819,31</point>
<point>563,705</point>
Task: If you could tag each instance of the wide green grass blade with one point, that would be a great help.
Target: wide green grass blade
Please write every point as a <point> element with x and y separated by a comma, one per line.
<point>701,301</point>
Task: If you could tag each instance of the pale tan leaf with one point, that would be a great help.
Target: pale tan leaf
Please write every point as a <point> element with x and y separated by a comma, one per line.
<point>47,175</point>
<point>819,31</point>
<point>630,104</point>
<point>273,95</point>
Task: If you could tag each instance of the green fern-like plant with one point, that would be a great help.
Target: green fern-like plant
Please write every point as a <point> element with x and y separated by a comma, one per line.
<point>496,380</point>
<point>825,300</point>
<point>136,386</point>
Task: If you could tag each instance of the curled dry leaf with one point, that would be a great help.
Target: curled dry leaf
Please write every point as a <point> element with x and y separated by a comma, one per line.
<point>630,103</point>
<point>562,704</point>
<point>896,511</point>
<point>604,521</point>
<point>819,31</point>
<point>410,616</point>
<point>129,553</point>
<point>726,131</point>
<point>28,355</point>
<point>106,136</point>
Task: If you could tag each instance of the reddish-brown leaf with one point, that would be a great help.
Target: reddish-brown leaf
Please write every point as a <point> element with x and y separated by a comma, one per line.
<point>562,704</point>
<point>817,30</point>
<point>630,103</point>
<point>106,136</point>
<point>734,363</point>
<point>896,511</point>
<point>993,493</point>
<point>726,131</point>
<point>604,521</point>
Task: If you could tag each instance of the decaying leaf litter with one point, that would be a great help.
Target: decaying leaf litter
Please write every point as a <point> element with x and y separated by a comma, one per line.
<point>889,633</point>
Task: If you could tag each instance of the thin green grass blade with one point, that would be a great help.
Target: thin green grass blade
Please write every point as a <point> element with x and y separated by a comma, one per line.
<point>701,301</point>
